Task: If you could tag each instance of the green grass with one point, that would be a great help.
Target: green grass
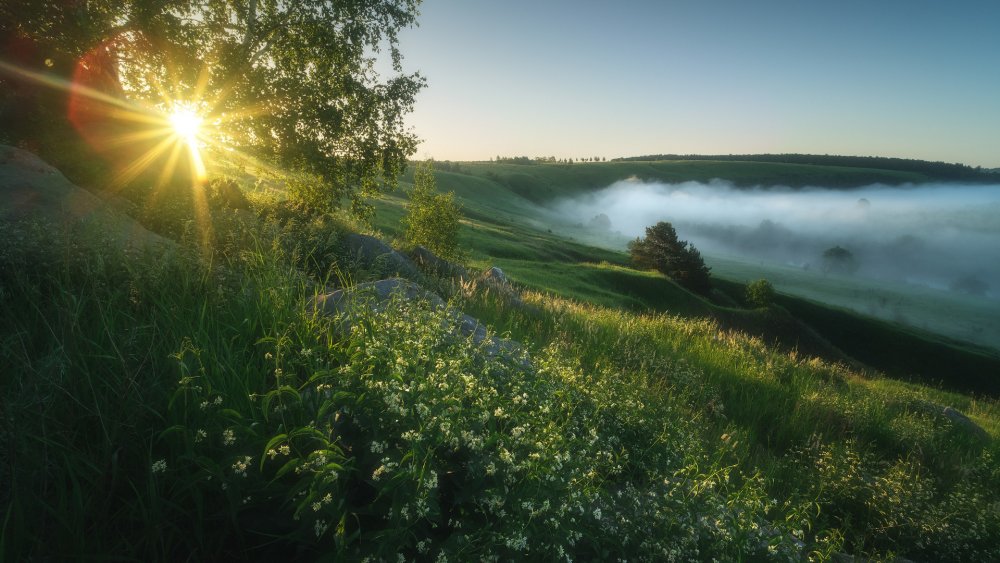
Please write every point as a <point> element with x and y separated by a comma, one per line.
<point>191,404</point>
<point>507,229</point>
<point>936,315</point>
<point>541,183</point>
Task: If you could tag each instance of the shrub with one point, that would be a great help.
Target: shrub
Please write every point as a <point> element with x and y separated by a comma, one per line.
<point>432,219</point>
<point>309,193</point>
<point>760,293</point>
<point>839,259</point>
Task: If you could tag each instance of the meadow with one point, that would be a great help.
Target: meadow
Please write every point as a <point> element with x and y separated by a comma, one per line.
<point>190,404</point>
<point>900,329</point>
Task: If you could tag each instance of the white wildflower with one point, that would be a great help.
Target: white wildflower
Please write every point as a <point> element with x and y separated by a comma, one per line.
<point>240,465</point>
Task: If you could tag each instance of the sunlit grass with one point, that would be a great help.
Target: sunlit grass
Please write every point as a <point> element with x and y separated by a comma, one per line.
<point>192,403</point>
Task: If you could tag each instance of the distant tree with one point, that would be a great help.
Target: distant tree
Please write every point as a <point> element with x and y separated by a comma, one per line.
<point>674,258</point>
<point>601,221</point>
<point>432,219</point>
<point>760,293</point>
<point>839,259</point>
<point>971,285</point>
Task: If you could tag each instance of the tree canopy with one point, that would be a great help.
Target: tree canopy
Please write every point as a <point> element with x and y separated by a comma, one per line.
<point>674,258</point>
<point>839,259</point>
<point>294,83</point>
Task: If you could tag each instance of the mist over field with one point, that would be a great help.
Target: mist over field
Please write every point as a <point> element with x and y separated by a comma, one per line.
<point>943,236</point>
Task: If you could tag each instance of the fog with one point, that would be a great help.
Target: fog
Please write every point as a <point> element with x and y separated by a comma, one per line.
<point>942,236</point>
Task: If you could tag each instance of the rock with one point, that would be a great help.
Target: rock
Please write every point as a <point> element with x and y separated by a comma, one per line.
<point>495,278</point>
<point>956,417</point>
<point>373,253</point>
<point>959,419</point>
<point>433,264</point>
<point>496,281</point>
<point>31,189</point>
<point>342,301</point>
<point>374,295</point>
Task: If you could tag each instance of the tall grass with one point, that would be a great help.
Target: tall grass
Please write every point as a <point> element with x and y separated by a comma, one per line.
<point>191,405</point>
<point>886,470</point>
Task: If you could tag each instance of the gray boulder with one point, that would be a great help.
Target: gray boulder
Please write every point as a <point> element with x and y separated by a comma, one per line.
<point>373,294</point>
<point>345,303</point>
<point>495,281</point>
<point>959,419</point>
<point>956,417</point>
<point>494,278</point>
<point>434,264</point>
<point>32,190</point>
<point>373,253</point>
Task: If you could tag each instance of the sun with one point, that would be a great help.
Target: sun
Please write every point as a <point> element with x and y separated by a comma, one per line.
<point>186,123</point>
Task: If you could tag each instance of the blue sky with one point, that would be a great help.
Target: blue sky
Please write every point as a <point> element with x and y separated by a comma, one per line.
<point>913,79</point>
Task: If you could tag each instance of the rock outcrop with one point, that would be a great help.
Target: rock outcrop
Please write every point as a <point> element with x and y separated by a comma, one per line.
<point>372,253</point>
<point>32,190</point>
<point>959,419</point>
<point>345,304</point>
<point>433,264</point>
<point>955,417</point>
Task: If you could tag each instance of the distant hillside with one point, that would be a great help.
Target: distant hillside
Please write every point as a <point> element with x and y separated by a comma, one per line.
<point>543,182</point>
<point>936,170</point>
<point>508,224</point>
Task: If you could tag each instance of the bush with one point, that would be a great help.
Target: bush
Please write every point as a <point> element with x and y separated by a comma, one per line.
<point>760,293</point>
<point>432,219</point>
<point>309,193</point>
<point>840,260</point>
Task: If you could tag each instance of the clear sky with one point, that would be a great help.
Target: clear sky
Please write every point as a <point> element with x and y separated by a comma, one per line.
<point>906,78</point>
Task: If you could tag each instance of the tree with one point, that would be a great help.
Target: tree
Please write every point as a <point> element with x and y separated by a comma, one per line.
<point>760,293</point>
<point>839,259</point>
<point>677,259</point>
<point>432,219</point>
<point>294,83</point>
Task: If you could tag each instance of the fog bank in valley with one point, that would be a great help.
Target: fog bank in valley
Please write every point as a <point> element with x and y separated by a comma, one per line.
<point>944,236</point>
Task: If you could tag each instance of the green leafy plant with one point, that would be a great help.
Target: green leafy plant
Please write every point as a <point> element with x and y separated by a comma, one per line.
<point>432,219</point>
<point>760,293</point>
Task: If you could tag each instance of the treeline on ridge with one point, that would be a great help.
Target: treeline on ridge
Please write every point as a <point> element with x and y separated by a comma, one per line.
<point>939,170</point>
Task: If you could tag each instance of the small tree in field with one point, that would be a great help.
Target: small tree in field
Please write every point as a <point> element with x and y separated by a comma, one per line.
<point>432,219</point>
<point>760,293</point>
<point>839,259</point>
<point>674,258</point>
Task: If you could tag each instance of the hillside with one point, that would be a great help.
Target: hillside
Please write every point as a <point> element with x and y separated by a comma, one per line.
<point>508,224</point>
<point>935,170</point>
<point>543,182</point>
<point>245,393</point>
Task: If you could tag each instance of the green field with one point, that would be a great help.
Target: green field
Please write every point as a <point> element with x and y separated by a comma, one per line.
<point>191,403</point>
<point>508,225</point>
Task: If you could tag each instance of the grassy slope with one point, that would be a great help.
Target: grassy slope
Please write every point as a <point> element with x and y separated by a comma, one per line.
<point>506,226</point>
<point>161,407</point>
